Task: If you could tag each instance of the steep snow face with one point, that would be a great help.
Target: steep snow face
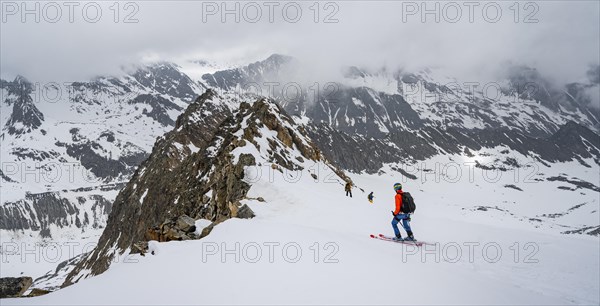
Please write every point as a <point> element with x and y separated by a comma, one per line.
<point>310,238</point>
<point>69,138</point>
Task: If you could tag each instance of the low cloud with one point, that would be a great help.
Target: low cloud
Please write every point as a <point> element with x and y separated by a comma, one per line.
<point>562,43</point>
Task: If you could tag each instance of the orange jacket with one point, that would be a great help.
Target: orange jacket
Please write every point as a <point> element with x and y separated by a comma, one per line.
<point>398,202</point>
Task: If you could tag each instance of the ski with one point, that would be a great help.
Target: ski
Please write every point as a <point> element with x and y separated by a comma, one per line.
<point>391,239</point>
<point>419,242</point>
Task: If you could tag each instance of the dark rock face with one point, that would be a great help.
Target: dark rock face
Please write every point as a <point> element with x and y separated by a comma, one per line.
<point>166,78</point>
<point>255,73</point>
<point>6,178</point>
<point>579,184</point>
<point>363,111</point>
<point>590,230</point>
<point>25,116</point>
<point>14,286</point>
<point>513,187</point>
<point>101,166</point>
<point>352,152</point>
<point>193,172</point>
<point>579,139</point>
<point>159,105</point>
<point>36,155</point>
<point>39,211</point>
<point>360,153</point>
<point>177,228</point>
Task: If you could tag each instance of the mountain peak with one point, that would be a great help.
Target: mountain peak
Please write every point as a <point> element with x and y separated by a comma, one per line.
<point>25,116</point>
<point>199,170</point>
<point>167,77</point>
<point>279,58</point>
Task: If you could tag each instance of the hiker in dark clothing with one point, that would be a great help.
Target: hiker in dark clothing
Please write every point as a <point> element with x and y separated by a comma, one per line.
<point>348,189</point>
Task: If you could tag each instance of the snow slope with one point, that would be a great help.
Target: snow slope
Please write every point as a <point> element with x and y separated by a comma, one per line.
<point>350,267</point>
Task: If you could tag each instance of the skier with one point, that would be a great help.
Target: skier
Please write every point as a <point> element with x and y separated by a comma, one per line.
<point>348,189</point>
<point>399,215</point>
<point>370,197</point>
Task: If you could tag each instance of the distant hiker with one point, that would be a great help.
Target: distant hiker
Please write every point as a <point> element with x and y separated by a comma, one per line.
<point>405,205</point>
<point>370,197</point>
<point>348,189</point>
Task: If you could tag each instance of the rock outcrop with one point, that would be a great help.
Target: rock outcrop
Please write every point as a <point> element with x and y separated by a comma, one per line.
<point>56,210</point>
<point>14,286</point>
<point>25,116</point>
<point>197,171</point>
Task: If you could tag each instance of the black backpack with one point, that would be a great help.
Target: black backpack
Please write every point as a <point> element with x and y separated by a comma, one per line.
<point>408,203</point>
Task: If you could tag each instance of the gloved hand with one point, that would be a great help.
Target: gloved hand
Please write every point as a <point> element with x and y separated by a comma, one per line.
<point>393,213</point>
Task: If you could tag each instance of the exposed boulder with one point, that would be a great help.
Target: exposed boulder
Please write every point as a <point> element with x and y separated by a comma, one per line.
<point>186,224</point>
<point>140,247</point>
<point>234,209</point>
<point>178,228</point>
<point>241,211</point>
<point>208,229</point>
<point>37,292</point>
<point>14,286</point>
<point>245,212</point>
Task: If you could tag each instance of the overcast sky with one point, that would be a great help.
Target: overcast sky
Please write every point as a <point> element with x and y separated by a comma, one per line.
<point>561,38</point>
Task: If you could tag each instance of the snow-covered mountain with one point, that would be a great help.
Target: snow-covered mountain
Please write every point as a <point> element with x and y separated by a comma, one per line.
<point>88,141</point>
<point>200,169</point>
<point>232,155</point>
<point>382,122</point>
<point>398,116</point>
<point>525,163</point>
<point>377,103</point>
<point>68,148</point>
<point>96,133</point>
